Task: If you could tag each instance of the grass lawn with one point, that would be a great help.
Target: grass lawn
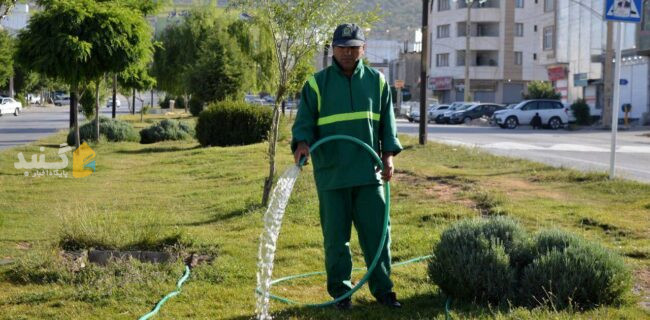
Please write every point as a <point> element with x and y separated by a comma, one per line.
<point>206,200</point>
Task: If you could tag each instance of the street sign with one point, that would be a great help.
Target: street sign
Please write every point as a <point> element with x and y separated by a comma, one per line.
<point>623,10</point>
<point>580,79</point>
<point>624,82</point>
<point>399,84</point>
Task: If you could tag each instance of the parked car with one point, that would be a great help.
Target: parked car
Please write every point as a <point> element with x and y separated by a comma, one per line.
<point>414,115</point>
<point>109,103</point>
<point>553,113</point>
<point>474,112</point>
<point>34,99</point>
<point>452,107</point>
<point>436,111</point>
<point>62,101</point>
<point>9,105</point>
<point>446,116</point>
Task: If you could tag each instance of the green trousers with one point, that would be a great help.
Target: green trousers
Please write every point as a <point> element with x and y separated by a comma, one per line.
<point>363,206</point>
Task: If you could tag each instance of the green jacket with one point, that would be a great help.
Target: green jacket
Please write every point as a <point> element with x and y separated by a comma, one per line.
<point>359,106</point>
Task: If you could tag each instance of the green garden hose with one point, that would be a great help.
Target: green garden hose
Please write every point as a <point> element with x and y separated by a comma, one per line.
<point>162,301</point>
<point>384,234</point>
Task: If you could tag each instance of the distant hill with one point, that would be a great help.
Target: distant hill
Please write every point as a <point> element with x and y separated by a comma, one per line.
<point>401,17</point>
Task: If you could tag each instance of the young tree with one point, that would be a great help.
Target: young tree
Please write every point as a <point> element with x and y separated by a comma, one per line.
<point>220,71</point>
<point>179,50</point>
<point>6,57</point>
<point>80,40</point>
<point>135,78</point>
<point>298,28</point>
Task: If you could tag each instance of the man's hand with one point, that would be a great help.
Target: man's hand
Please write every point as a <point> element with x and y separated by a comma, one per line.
<point>387,160</point>
<point>301,150</point>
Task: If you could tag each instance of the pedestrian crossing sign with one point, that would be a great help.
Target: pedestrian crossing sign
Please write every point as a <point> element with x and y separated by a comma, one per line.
<point>623,10</point>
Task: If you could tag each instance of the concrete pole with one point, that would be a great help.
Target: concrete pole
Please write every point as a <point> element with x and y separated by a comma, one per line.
<point>608,79</point>
<point>468,30</point>
<point>617,99</point>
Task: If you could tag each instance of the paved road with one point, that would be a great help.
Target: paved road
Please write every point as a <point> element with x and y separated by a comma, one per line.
<point>584,150</point>
<point>36,123</point>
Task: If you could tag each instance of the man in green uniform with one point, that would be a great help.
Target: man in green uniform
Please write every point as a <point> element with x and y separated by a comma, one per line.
<point>349,98</point>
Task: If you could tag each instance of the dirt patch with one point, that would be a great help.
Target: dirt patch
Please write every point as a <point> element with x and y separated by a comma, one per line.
<point>23,245</point>
<point>524,187</point>
<point>444,188</point>
<point>642,287</point>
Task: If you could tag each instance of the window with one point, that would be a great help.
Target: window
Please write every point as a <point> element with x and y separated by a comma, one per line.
<point>544,105</point>
<point>530,106</point>
<point>443,5</point>
<point>548,40</point>
<point>443,31</point>
<point>519,3</point>
<point>519,57</point>
<point>519,29</point>
<point>442,60</point>
<point>534,56</point>
<point>549,5</point>
<point>478,4</point>
<point>461,29</point>
<point>535,28</point>
<point>460,58</point>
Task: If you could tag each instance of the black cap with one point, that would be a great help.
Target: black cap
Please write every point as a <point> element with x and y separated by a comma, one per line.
<point>348,35</point>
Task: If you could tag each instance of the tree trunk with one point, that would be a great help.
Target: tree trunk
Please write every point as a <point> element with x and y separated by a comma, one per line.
<point>273,141</point>
<point>114,93</point>
<point>97,108</point>
<point>133,111</point>
<point>187,102</point>
<point>74,106</point>
<point>283,108</point>
<point>326,50</point>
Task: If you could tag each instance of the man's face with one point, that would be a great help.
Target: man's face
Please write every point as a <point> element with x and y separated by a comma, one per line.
<point>347,57</point>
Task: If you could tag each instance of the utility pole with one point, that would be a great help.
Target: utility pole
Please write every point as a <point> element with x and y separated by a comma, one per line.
<point>423,72</point>
<point>608,80</point>
<point>468,30</point>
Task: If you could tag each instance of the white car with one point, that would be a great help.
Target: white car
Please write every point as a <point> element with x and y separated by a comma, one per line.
<point>437,111</point>
<point>62,101</point>
<point>9,105</point>
<point>33,99</point>
<point>552,112</point>
<point>109,103</point>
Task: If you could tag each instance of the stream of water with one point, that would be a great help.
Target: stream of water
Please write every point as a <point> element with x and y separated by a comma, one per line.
<point>269,238</point>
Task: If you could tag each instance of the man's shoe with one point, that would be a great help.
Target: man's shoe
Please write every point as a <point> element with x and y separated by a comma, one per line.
<point>345,304</point>
<point>389,300</point>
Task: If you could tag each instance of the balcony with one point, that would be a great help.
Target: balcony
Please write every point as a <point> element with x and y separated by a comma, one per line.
<point>476,5</point>
<point>479,58</point>
<point>479,29</point>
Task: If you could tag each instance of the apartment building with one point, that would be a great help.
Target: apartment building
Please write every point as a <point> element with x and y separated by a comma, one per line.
<point>505,42</point>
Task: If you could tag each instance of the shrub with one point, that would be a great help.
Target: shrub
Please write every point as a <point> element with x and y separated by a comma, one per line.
<point>472,263</point>
<point>196,106</point>
<point>233,123</point>
<point>581,111</point>
<point>178,104</point>
<point>166,130</point>
<point>583,275</point>
<point>541,90</point>
<point>113,130</point>
<point>87,103</point>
